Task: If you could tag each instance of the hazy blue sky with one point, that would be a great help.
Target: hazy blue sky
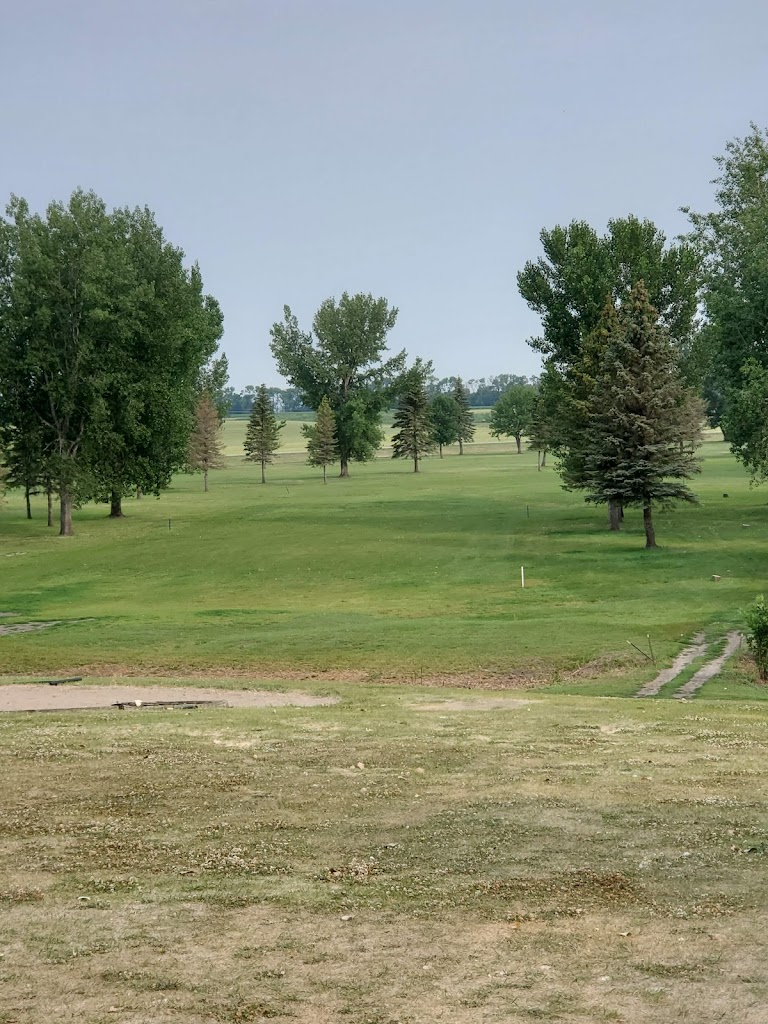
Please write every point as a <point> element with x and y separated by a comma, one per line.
<point>411,148</point>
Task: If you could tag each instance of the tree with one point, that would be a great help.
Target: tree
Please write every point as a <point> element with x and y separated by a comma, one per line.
<point>444,414</point>
<point>322,448</point>
<point>344,362</point>
<point>102,336</point>
<point>465,421</point>
<point>512,415</point>
<point>262,438</point>
<point>638,416</point>
<point>204,450</point>
<point>213,379</point>
<point>732,242</point>
<point>414,436</point>
<point>568,287</point>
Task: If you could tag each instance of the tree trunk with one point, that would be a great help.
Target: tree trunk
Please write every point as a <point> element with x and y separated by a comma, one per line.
<point>139,493</point>
<point>49,494</point>
<point>461,447</point>
<point>324,474</point>
<point>205,479</point>
<point>263,472</point>
<point>538,460</point>
<point>344,466</point>
<point>543,458</point>
<point>650,536</point>
<point>115,506</point>
<point>415,463</point>
<point>26,499</point>
<point>441,450</point>
<point>614,515</point>
<point>519,447</point>
<point>65,518</point>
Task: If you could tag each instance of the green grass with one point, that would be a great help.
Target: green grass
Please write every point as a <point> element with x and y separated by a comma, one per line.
<point>384,575</point>
<point>563,859</point>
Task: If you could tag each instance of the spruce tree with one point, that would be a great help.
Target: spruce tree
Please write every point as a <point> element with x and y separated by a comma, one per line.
<point>466,421</point>
<point>414,435</point>
<point>322,446</point>
<point>639,413</point>
<point>262,439</point>
<point>444,413</point>
<point>204,451</point>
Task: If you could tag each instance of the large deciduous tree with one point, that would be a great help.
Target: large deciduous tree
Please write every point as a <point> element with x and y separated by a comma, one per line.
<point>414,433</point>
<point>638,414</point>
<point>322,446</point>
<point>343,359</point>
<point>512,416</point>
<point>102,336</point>
<point>444,413</point>
<point>262,437</point>
<point>733,244</point>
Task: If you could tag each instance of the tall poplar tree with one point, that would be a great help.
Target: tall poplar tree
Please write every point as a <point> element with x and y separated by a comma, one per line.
<point>465,425</point>
<point>414,436</point>
<point>638,415</point>
<point>262,438</point>
<point>322,446</point>
<point>344,361</point>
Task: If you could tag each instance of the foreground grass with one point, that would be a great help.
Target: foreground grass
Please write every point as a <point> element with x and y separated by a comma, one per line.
<point>386,574</point>
<point>563,860</point>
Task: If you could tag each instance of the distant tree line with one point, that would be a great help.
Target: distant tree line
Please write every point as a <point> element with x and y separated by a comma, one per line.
<point>481,393</point>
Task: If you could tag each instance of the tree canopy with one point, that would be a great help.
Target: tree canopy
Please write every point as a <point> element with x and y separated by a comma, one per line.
<point>343,359</point>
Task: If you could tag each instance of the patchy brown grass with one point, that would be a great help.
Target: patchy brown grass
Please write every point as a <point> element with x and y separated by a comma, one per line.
<point>578,860</point>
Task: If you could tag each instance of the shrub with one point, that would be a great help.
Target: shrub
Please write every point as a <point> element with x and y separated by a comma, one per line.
<point>756,618</point>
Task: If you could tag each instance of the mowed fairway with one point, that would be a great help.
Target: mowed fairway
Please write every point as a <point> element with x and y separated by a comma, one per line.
<point>385,575</point>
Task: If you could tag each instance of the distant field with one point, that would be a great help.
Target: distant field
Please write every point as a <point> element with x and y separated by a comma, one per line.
<point>293,440</point>
<point>385,575</point>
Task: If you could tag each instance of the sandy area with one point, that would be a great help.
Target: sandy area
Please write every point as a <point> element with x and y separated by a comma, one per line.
<point>71,696</point>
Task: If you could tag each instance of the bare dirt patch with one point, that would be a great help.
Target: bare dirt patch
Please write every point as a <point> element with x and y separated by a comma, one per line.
<point>26,627</point>
<point>39,697</point>
<point>486,704</point>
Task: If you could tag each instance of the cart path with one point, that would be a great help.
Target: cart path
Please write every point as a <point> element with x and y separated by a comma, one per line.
<point>694,650</point>
<point>711,669</point>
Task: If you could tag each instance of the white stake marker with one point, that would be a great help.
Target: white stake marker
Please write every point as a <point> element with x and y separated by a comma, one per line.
<point>522,576</point>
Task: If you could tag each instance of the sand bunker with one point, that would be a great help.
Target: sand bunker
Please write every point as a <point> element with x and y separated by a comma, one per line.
<point>73,697</point>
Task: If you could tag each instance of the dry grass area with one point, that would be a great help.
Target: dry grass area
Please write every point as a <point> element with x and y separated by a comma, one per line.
<point>566,859</point>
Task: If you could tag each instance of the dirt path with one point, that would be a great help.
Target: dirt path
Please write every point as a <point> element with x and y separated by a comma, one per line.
<point>25,627</point>
<point>71,697</point>
<point>694,650</point>
<point>711,669</point>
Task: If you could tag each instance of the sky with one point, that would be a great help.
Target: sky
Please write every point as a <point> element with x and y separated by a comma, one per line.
<point>414,149</point>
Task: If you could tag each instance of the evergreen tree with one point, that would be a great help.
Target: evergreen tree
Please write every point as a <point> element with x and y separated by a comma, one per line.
<point>444,413</point>
<point>638,416</point>
<point>322,447</point>
<point>513,413</point>
<point>466,421</point>
<point>414,437</point>
<point>262,438</point>
<point>204,450</point>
